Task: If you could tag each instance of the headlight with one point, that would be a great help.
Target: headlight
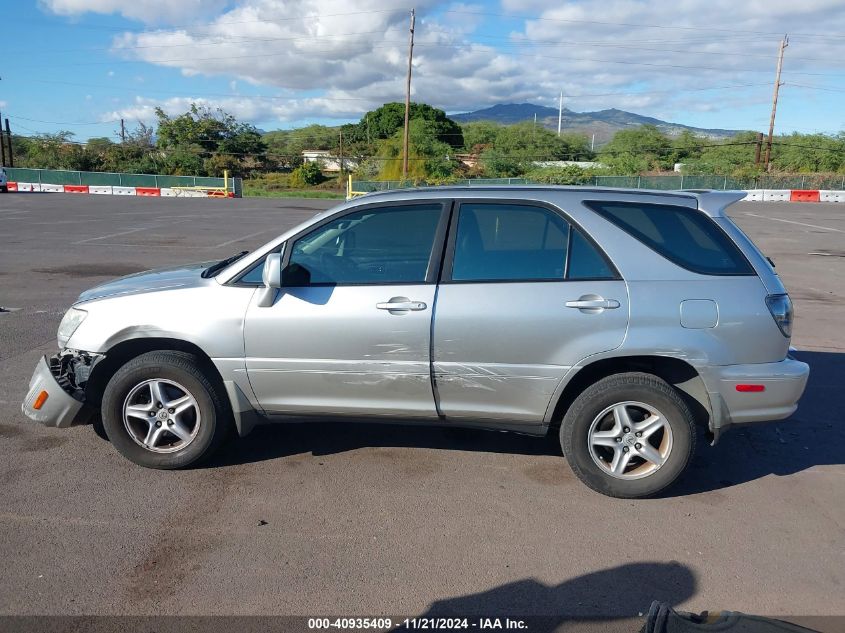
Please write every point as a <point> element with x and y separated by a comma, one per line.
<point>70,321</point>
<point>781,308</point>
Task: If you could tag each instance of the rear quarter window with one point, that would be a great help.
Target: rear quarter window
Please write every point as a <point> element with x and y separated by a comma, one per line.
<point>682,235</point>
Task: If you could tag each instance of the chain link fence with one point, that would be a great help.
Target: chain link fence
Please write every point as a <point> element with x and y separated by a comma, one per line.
<point>666,183</point>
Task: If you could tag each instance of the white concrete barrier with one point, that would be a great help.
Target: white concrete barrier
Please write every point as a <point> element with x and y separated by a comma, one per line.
<point>167,192</point>
<point>25,186</point>
<point>101,189</point>
<point>52,188</point>
<point>831,196</point>
<point>754,195</point>
<point>776,195</point>
<point>123,191</point>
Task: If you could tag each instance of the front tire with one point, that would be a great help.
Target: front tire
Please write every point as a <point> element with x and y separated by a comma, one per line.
<point>161,411</point>
<point>628,435</point>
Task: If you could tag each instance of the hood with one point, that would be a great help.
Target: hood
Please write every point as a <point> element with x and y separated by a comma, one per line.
<point>185,276</point>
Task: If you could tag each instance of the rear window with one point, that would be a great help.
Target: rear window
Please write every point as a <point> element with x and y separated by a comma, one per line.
<point>682,235</point>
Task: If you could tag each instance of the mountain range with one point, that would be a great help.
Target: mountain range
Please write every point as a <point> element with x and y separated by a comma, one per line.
<point>603,123</point>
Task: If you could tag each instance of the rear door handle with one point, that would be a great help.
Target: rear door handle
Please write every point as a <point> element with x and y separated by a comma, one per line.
<point>593,304</point>
<point>401,304</point>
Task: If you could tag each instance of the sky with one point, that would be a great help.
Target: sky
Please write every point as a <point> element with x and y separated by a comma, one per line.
<point>82,65</point>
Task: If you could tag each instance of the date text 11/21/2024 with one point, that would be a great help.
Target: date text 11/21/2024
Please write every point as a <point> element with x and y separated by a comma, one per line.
<point>420,623</point>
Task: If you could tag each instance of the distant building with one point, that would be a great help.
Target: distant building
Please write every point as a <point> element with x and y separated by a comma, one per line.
<point>583,164</point>
<point>326,160</point>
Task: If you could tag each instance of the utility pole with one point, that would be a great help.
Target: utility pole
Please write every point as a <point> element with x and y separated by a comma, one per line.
<point>122,132</point>
<point>9,137</point>
<point>2,145</point>
<point>783,44</point>
<point>408,99</point>
<point>758,148</point>
<point>593,143</point>
<point>341,153</point>
<point>560,112</point>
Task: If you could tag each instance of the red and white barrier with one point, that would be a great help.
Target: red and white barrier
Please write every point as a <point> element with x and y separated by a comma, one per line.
<point>794,195</point>
<point>166,192</point>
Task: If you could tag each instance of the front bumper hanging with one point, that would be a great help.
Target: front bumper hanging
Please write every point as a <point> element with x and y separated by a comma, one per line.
<point>52,399</point>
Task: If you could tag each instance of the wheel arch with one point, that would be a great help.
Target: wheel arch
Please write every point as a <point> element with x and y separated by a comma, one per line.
<point>121,353</point>
<point>675,371</point>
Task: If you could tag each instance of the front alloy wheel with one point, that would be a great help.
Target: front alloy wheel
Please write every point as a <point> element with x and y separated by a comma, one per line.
<point>161,415</point>
<point>164,410</point>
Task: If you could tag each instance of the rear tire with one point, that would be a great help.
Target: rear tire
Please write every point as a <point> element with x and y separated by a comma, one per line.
<point>628,435</point>
<point>160,410</point>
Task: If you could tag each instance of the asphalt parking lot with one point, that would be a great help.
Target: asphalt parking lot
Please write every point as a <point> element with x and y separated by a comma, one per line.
<point>327,519</point>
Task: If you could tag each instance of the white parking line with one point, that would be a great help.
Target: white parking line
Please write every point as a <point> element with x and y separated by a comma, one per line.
<point>814,226</point>
<point>143,228</point>
<point>240,239</point>
<point>105,237</point>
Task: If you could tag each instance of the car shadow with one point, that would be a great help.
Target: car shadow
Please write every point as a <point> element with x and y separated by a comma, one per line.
<point>615,599</point>
<point>327,438</point>
<point>813,436</point>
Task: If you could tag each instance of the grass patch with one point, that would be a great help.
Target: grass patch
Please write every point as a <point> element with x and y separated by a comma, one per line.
<point>279,185</point>
<point>293,193</point>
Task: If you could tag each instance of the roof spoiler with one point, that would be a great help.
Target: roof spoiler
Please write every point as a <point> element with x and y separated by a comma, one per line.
<point>714,203</point>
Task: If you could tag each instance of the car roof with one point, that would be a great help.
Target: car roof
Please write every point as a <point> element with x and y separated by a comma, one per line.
<point>711,202</point>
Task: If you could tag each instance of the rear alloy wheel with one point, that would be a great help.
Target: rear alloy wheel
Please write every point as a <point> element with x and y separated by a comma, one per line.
<point>160,410</point>
<point>629,435</point>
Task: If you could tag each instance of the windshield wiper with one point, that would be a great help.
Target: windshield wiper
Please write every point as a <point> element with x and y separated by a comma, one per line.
<point>208,272</point>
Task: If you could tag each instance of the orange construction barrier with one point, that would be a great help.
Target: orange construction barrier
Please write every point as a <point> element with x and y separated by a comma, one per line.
<point>804,195</point>
<point>147,191</point>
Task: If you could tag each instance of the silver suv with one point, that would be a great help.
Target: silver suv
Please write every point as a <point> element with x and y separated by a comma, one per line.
<point>624,321</point>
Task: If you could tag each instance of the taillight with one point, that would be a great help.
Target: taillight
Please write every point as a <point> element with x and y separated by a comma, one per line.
<point>781,308</point>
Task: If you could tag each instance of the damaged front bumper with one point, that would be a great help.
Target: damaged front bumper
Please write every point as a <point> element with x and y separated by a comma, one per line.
<point>56,394</point>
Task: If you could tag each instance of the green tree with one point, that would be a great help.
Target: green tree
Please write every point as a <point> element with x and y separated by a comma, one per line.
<point>428,157</point>
<point>191,140</point>
<point>644,148</point>
<point>386,121</point>
<point>516,148</point>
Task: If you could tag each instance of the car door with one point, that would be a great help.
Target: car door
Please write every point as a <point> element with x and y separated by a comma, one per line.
<point>351,334</point>
<point>525,295</point>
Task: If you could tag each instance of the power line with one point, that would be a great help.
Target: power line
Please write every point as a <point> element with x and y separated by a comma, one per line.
<point>263,20</point>
<point>426,46</point>
<point>628,24</point>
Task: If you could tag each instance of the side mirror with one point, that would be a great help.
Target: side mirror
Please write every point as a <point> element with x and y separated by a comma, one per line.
<point>271,275</point>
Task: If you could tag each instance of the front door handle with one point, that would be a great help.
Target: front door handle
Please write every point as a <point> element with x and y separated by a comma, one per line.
<point>401,304</point>
<point>593,303</point>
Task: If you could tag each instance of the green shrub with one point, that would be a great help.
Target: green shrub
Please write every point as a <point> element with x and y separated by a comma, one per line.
<point>306,175</point>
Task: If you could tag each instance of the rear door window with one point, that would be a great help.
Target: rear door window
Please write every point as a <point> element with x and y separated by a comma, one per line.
<point>684,236</point>
<point>520,242</point>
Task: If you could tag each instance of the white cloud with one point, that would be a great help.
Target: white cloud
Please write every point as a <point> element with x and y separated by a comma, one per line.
<point>601,53</point>
<point>147,11</point>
